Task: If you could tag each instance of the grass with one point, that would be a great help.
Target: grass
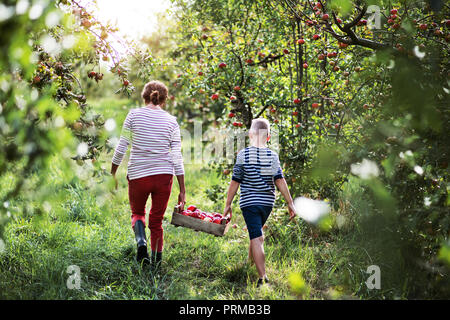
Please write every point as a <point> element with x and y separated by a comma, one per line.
<point>99,240</point>
<point>86,224</point>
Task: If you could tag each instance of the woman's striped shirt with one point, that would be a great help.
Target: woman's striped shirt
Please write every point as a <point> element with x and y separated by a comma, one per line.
<point>256,169</point>
<point>155,141</point>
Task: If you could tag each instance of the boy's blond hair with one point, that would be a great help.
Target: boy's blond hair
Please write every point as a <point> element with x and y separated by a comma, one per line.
<point>260,128</point>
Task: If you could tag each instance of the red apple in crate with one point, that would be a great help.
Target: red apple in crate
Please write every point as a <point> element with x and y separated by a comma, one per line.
<point>191,208</point>
<point>190,213</point>
<point>196,214</point>
<point>217,220</point>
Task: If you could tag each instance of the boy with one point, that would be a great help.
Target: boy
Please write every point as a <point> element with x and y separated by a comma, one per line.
<point>256,171</point>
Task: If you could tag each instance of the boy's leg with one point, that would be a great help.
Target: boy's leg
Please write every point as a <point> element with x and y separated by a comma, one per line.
<point>250,254</point>
<point>254,219</point>
<point>257,248</point>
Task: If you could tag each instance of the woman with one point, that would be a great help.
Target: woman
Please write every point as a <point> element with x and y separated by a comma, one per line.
<point>155,157</point>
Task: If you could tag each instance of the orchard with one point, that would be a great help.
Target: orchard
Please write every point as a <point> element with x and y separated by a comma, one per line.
<point>357,96</point>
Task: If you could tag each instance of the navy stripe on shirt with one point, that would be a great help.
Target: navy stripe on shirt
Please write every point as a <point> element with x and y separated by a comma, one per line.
<point>256,169</point>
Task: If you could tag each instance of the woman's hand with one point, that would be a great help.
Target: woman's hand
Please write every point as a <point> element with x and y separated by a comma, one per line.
<point>116,185</point>
<point>181,200</point>
<point>113,173</point>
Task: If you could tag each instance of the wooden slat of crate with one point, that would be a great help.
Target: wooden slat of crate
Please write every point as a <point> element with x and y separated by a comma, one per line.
<point>199,225</point>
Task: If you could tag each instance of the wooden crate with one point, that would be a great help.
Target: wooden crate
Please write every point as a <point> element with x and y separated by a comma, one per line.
<point>180,220</point>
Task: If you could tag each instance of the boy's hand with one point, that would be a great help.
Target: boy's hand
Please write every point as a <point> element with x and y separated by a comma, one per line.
<point>227,211</point>
<point>292,211</point>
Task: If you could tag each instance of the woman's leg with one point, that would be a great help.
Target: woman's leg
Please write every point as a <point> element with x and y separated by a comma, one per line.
<point>162,186</point>
<point>138,192</point>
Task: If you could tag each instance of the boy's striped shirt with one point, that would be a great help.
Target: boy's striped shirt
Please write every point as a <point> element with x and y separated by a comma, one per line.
<point>256,169</point>
<point>155,143</point>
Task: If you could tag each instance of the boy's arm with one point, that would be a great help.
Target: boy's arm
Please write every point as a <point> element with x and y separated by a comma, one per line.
<point>238,175</point>
<point>232,189</point>
<point>282,186</point>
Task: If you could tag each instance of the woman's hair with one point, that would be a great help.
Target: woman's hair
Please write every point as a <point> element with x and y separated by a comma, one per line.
<point>155,92</point>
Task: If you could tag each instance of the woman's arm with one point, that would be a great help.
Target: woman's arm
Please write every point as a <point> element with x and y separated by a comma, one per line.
<point>122,146</point>
<point>177,159</point>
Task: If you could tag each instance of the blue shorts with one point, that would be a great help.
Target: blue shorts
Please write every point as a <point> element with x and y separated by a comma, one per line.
<point>255,217</point>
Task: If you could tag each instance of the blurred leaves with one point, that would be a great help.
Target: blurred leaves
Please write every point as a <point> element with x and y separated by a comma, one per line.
<point>298,285</point>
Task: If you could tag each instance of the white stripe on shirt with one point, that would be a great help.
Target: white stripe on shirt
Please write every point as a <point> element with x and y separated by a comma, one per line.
<point>155,143</point>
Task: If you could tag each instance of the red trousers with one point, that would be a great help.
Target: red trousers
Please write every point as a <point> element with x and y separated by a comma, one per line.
<point>159,187</point>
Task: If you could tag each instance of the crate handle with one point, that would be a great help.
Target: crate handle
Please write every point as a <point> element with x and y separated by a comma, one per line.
<point>177,208</point>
